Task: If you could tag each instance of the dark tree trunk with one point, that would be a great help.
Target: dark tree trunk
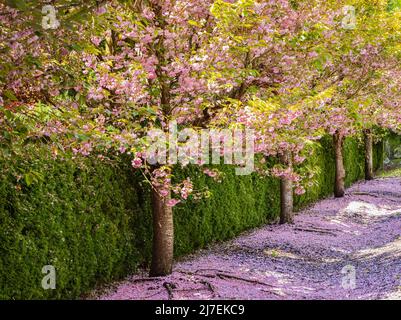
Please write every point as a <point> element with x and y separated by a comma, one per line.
<point>339,185</point>
<point>163,236</point>
<point>286,192</point>
<point>368,154</point>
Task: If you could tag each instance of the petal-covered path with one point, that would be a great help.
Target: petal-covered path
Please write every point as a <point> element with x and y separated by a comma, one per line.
<point>315,258</point>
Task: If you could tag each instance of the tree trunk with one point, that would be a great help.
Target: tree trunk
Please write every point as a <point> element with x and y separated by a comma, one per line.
<point>339,185</point>
<point>368,154</point>
<point>286,192</point>
<point>163,236</point>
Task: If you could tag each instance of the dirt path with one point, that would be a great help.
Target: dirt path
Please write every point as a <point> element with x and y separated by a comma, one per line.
<point>313,259</point>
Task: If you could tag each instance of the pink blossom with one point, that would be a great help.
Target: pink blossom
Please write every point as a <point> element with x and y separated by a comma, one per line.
<point>173,202</point>
<point>101,10</point>
<point>136,163</point>
<point>299,190</point>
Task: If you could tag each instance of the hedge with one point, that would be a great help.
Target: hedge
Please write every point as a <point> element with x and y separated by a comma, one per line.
<point>91,220</point>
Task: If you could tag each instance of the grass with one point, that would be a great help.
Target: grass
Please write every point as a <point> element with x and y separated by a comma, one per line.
<point>396,172</point>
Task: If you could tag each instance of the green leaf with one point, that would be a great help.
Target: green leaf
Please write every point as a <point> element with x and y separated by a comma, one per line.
<point>194,23</point>
<point>29,179</point>
<point>18,4</point>
<point>82,137</point>
<point>10,95</point>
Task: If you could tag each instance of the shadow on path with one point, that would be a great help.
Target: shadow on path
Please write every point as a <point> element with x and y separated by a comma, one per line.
<point>312,259</point>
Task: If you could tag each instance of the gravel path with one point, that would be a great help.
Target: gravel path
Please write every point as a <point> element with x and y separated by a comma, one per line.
<point>315,258</point>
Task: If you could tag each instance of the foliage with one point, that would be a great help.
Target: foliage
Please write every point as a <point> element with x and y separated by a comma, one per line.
<point>92,220</point>
<point>115,70</point>
<point>78,217</point>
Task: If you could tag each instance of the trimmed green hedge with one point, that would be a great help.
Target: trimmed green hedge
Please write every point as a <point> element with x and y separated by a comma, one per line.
<point>92,220</point>
<point>79,219</point>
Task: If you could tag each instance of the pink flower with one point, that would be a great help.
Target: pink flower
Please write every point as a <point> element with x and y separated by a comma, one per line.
<point>148,14</point>
<point>147,38</point>
<point>151,75</point>
<point>136,163</point>
<point>186,189</point>
<point>299,159</point>
<point>313,54</point>
<point>210,173</point>
<point>173,202</point>
<point>96,40</point>
<point>33,39</point>
<point>299,191</point>
<point>101,10</point>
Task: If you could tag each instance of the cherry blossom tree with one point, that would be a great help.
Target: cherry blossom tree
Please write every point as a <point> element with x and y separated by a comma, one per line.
<point>351,54</point>
<point>115,76</point>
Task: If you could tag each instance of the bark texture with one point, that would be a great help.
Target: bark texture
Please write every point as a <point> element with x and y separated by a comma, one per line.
<point>286,192</point>
<point>368,154</point>
<point>339,185</point>
<point>163,236</point>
